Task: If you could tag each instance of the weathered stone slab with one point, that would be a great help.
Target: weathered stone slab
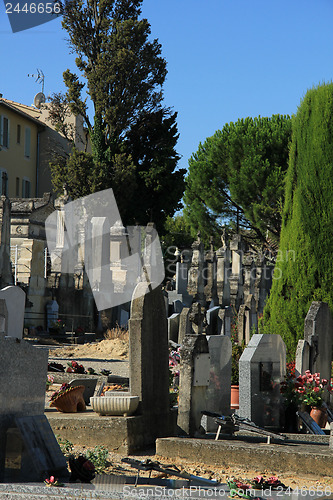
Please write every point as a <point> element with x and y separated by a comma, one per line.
<point>15,302</point>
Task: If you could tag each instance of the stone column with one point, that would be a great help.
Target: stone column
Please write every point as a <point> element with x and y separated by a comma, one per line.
<point>236,278</point>
<point>6,277</point>
<point>195,286</point>
<point>194,381</point>
<point>210,289</point>
<point>149,357</point>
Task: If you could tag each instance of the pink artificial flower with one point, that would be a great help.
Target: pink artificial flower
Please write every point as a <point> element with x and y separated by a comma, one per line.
<point>307,372</point>
<point>51,480</point>
<point>273,481</point>
<point>316,389</point>
<point>324,381</point>
<point>258,479</point>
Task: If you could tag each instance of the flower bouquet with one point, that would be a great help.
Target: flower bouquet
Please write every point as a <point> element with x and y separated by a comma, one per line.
<point>81,468</point>
<point>74,367</point>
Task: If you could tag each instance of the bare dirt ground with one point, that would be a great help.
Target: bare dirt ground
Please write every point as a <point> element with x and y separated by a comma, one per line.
<point>105,349</point>
<point>117,349</point>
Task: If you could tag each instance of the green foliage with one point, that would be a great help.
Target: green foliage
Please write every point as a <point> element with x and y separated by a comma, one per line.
<point>237,175</point>
<point>133,137</point>
<point>304,272</point>
<point>177,233</point>
<point>99,457</point>
<point>65,445</point>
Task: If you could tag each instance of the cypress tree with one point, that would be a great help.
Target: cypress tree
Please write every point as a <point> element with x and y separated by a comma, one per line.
<point>304,269</point>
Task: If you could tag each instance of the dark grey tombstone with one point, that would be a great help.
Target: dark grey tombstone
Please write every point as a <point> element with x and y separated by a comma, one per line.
<point>261,368</point>
<point>224,321</point>
<point>23,371</point>
<point>318,333</point>
<point>89,384</point>
<point>177,306</point>
<point>149,356</point>
<point>3,317</point>
<point>41,455</point>
<point>173,327</point>
<point>194,381</point>
<point>211,316</point>
<point>218,392</point>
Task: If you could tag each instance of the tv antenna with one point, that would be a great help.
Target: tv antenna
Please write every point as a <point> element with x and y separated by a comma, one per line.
<point>39,78</point>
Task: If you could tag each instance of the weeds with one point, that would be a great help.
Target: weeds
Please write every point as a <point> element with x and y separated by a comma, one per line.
<point>116,333</point>
<point>99,457</point>
<point>65,446</point>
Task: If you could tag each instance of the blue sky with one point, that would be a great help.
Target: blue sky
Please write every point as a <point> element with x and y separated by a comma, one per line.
<point>227,59</point>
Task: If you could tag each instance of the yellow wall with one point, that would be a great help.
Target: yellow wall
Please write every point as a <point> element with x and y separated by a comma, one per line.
<point>13,159</point>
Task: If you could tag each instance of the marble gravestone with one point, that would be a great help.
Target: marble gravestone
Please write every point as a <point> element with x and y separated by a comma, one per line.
<point>262,367</point>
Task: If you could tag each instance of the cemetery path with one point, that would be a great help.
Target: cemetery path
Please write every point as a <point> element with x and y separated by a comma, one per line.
<point>108,354</point>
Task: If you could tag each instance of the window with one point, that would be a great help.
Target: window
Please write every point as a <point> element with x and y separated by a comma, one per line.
<point>25,188</point>
<point>18,134</point>
<point>3,183</point>
<point>17,190</point>
<point>4,132</point>
<point>27,142</point>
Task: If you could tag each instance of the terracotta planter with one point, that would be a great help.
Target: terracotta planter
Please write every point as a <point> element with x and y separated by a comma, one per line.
<point>234,397</point>
<point>319,415</point>
<point>71,401</point>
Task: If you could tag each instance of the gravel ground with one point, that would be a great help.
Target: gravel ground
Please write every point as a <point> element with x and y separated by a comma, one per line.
<point>117,467</point>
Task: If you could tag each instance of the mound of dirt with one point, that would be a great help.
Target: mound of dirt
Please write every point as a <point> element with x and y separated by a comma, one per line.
<point>105,349</point>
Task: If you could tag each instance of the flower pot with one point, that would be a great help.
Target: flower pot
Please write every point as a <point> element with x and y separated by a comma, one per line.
<point>319,415</point>
<point>234,397</point>
<point>115,404</point>
<point>70,401</point>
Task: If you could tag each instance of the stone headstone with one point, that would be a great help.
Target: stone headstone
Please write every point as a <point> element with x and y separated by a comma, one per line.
<point>173,327</point>
<point>3,317</point>
<point>210,272</point>
<point>302,361</point>
<point>262,366</point>
<point>223,273</point>
<point>15,302</point>
<point>212,316</point>
<point>224,321</point>
<point>52,312</point>
<point>195,286</point>
<point>177,306</point>
<point>318,333</point>
<point>6,277</point>
<point>149,355</point>
<point>193,383</point>
<point>23,371</point>
<point>218,392</point>
<point>89,387</point>
<point>181,277</point>
<point>41,453</point>
<point>184,325</point>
